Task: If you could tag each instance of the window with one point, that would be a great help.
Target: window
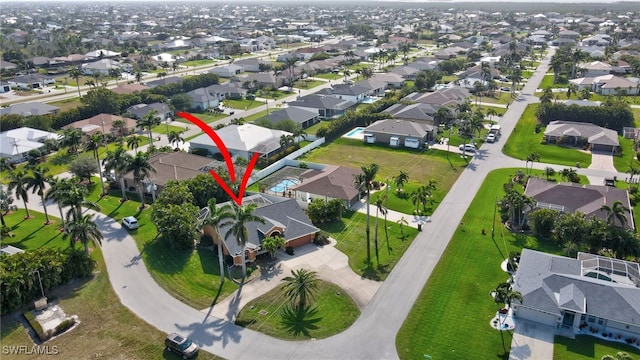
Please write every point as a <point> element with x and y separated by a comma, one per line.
<point>592,319</point>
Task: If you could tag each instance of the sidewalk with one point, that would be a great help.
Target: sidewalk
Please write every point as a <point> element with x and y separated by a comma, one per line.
<point>331,265</point>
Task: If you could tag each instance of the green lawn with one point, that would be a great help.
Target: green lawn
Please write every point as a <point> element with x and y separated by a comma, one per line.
<point>207,117</point>
<point>440,323</point>
<point>314,128</point>
<point>524,141</point>
<point>307,83</point>
<point>256,116</point>
<point>401,200</point>
<point>66,104</point>
<point>351,240</point>
<point>335,312</point>
<point>32,233</point>
<point>198,62</point>
<point>500,97</point>
<point>585,347</point>
<point>420,165</point>
<point>328,76</point>
<point>162,129</point>
<point>121,334</point>
<point>242,104</point>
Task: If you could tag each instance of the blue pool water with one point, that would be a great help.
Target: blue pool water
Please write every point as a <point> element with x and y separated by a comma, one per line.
<point>355,132</point>
<point>369,100</point>
<point>283,185</point>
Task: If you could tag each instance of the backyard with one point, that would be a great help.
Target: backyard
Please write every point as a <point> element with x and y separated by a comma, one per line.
<point>471,262</point>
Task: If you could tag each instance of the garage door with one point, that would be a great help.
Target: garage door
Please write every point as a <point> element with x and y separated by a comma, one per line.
<point>601,147</point>
<point>537,316</point>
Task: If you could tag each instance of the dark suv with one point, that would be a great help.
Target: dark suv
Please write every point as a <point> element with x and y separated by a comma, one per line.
<point>181,346</point>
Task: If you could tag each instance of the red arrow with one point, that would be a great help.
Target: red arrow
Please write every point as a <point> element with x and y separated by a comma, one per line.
<point>227,158</point>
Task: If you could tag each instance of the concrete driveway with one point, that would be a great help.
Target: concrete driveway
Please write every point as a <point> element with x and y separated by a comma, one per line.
<point>600,161</point>
<point>532,341</point>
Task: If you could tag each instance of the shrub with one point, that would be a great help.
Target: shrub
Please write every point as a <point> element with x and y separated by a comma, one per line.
<point>35,325</point>
<point>321,239</point>
<point>199,151</point>
<point>64,326</point>
<point>289,250</point>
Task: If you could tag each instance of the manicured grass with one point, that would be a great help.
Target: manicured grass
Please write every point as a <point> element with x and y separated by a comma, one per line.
<point>547,81</point>
<point>588,347</point>
<point>33,233</point>
<point>198,62</point>
<point>420,165</point>
<point>207,117</point>
<point>627,157</point>
<point>484,108</point>
<point>400,201</point>
<point>500,97</point>
<point>328,76</point>
<point>242,104</point>
<point>307,84</point>
<point>277,94</point>
<point>107,329</point>
<point>350,234</point>
<point>524,141</point>
<point>162,129</point>
<point>256,116</point>
<point>314,128</point>
<point>335,312</point>
<point>67,104</point>
<point>440,321</point>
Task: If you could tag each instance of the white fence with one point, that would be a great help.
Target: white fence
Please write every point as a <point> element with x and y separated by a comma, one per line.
<point>289,160</point>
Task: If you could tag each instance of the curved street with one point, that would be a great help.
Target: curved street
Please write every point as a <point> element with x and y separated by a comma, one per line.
<point>373,334</point>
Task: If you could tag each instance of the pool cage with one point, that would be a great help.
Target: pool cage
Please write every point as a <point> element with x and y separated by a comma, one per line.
<point>281,182</point>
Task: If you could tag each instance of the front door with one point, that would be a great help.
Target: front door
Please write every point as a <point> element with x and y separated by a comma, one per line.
<point>567,320</point>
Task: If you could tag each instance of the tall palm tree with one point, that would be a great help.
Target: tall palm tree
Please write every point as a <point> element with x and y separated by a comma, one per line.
<point>299,133</point>
<point>363,180</point>
<point>118,161</point>
<point>402,222</point>
<point>420,196</point>
<point>301,287</point>
<point>75,197</point>
<point>71,138</point>
<point>216,216</point>
<point>442,116</point>
<point>133,142</point>
<point>83,229</point>
<point>38,182</point>
<point>119,127</point>
<point>531,158</point>
<point>57,188</point>
<point>115,73</point>
<point>76,74</point>
<point>242,215</point>
<point>175,138</point>
<point>616,212</point>
<point>382,210</point>
<point>148,121</point>
<point>19,180</point>
<point>93,144</point>
<point>141,169</point>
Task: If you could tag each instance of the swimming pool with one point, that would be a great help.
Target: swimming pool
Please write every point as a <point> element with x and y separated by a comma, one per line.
<point>355,132</point>
<point>284,185</point>
<point>369,100</point>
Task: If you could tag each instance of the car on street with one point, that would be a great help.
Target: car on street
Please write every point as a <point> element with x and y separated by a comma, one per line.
<point>181,345</point>
<point>467,147</point>
<point>491,138</point>
<point>130,222</point>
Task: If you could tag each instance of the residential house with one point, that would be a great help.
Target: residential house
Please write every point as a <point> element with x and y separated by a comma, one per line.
<point>373,88</point>
<point>398,133</point>
<point>16,143</point>
<point>227,71</point>
<point>266,79</point>
<point>354,93</point>
<point>253,65</point>
<point>591,294</point>
<point>204,98</point>
<point>283,217</point>
<point>303,117</point>
<point>102,67</point>
<point>442,97</point>
<point>164,81</point>
<point>140,110</point>
<point>29,109</point>
<point>31,81</point>
<point>7,67</point>
<point>243,141</point>
<point>594,68</point>
<point>577,133</point>
<point>392,80</point>
<point>326,106</point>
<point>573,198</point>
<point>416,112</point>
<point>103,123</point>
<point>331,182</point>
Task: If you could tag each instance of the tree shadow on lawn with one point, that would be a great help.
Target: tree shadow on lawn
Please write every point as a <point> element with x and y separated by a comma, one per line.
<point>300,321</point>
<point>208,261</point>
<point>374,273</point>
<point>577,346</point>
<point>163,259</point>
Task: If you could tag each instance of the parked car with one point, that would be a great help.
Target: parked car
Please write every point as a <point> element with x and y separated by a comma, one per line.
<point>491,138</point>
<point>467,147</point>
<point>130,222</point>
<point>181,345</point>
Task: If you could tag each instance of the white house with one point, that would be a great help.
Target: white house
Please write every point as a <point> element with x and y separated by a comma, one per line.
<point>16,143</point>
<point>243,140</point>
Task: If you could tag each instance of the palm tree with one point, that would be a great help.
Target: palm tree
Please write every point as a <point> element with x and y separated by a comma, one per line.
<point>402,221</point>
<point>19,180</point>
<point>616,212</point>
<point>133,142</point>
<point>83,229</point>
<point>363,180</point>
<point>75,197</point>
<point>516,78</point>
<point>119,126</point>
<point>71,138</point>
<point>290,62</point>
<point>547,96</point>
<point>242,215</point>
<point>138,76</point>
<point>531,158</point>
<point>118,161</point>
<point>548,172</point>
<point>577,56</point>
<point>76,74</point>
<point>518,204</point>
<point>38,182</point>
<point>379,208</point>
<point>400,180</point>
<point>175,138</point>
<point>214,219</point>
<point>148,121</point>
<point>301,287</point>
<point>141,169</point>
<point>442,116</point>
<point>272,243</point>
<point>420,196</point>
<point>299,133</point>
<point>115,73</point>
<point>585,93</point>
<point>56,191</point>
<point>93,144</point>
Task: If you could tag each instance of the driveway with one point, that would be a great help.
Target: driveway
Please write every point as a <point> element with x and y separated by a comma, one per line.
<point>532,341</point>
<point>600,161</point>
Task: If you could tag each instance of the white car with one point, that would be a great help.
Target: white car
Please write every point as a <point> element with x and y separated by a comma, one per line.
<point>130,222</point>
<point>467,147</point>
<point>491,138</point>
